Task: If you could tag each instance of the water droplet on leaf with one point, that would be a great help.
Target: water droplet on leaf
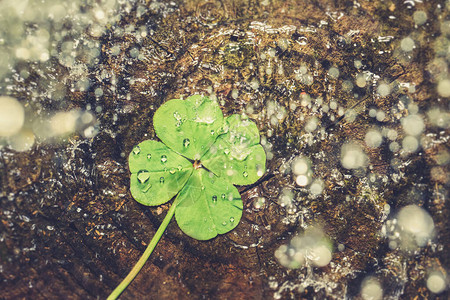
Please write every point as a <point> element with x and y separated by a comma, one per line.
<point>172,171</point>
<point>161,180</point>
<point>149,185</point>
<point>143,176</point>
<point>136,150</point>
<point>224,129</point>
<point>240,152</point>
<point>205,114</point>
<point>231,219</point>
<point>177,116</point>
<point>179,168</point>
<point>230,173</point>
<point>223,196</point>
<point>245,174</point>
<point>163,159</point>
<point>214,198</point>
<point>186,143</point>
<point>149,156</point>
<point>259,170</point>
<point>224,223</point>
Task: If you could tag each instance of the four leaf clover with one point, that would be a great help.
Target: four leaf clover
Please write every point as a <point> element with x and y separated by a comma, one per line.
<point>201,156</point>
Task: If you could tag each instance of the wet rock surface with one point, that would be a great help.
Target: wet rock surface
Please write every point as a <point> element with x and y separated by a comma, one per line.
<point>318,78</point>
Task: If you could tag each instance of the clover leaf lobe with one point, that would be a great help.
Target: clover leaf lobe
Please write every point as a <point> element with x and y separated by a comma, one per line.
<point>237,155</point>
<point>157,172</point>
<point>189,127</point>
<point>207,206</point>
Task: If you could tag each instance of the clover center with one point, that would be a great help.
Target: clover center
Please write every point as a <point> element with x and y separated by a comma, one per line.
<point>197,164</point>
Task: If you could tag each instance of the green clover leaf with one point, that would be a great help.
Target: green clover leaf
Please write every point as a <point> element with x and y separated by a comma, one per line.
<point>157,173</point>
<point>200,158</point>
<point>190,126</point>
<point>237,153</point>
<point>208,206</point>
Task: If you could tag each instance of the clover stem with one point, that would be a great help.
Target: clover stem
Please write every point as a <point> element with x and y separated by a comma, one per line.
<point>138,266</point>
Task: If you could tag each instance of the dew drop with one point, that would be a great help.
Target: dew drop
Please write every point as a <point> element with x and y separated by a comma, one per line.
<point>143,176</point>
<point>145,190</point>
<point>163,159</point>
<point>245,174</point>
<point>149,156</point>
<point>224,223</point>
<point>214,198</point>
<point>172,171</point>
<point>177,116</point>
<point>224,129</point>
<point>259,170</point>
<point>231,219</point>
<point>259,203</point>
<point>223,196</point>
<point>179,168</point>
<point>186,143</point>
<point>212,132</point>
<point>226,151</point>
<point>230,197</point>
<point>161,180</point>
<point>136,150</point>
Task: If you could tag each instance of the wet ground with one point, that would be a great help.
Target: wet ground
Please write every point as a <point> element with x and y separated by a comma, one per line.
<point>358,91</point>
